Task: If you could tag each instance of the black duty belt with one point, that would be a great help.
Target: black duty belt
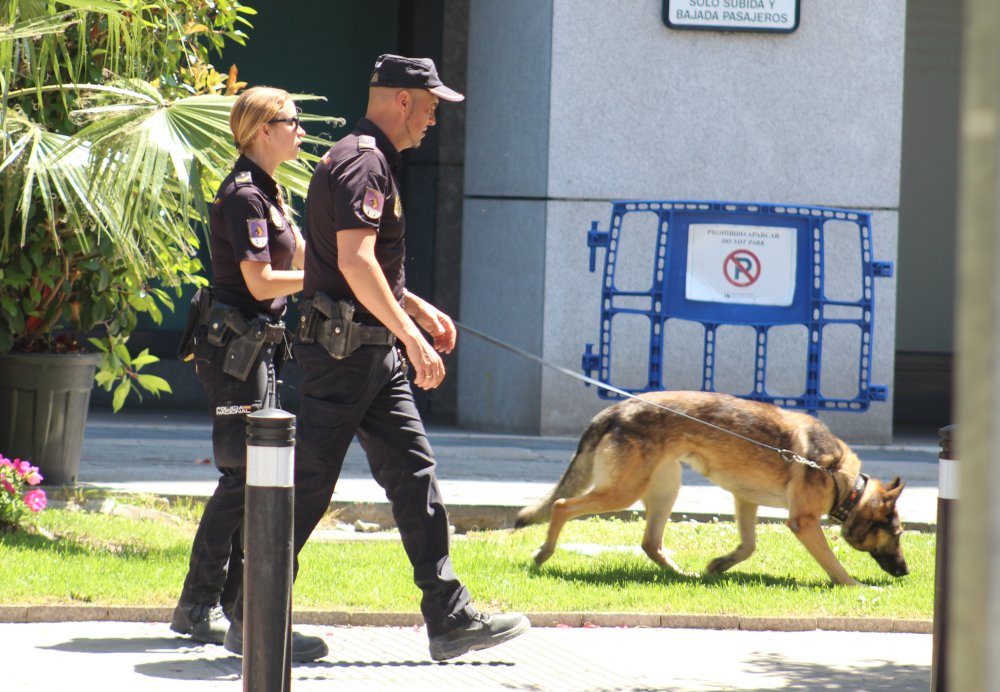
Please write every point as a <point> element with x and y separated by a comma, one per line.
<point>370,335</point>
<point>331,324</point>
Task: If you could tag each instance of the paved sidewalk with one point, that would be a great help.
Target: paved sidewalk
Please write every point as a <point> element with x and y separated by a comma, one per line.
<point>124,657</point>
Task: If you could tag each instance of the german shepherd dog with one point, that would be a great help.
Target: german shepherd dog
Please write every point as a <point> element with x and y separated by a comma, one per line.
<point>634,449</point>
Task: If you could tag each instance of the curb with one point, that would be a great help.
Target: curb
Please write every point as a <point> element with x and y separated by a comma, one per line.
<point>463,517</point>
<point>44,613</point>
<point>467,518</point>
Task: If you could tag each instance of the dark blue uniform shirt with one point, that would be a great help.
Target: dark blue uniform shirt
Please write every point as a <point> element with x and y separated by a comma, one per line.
<point>354,186</point>
<point>247,223</point>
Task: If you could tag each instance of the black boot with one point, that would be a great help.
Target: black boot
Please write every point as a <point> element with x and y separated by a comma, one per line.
<point>305,648</point>
<point>479,631</point>
<point>203,622</point>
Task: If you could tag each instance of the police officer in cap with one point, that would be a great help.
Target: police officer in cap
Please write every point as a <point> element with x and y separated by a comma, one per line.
<point>237,340</point>
<point>359,327</point>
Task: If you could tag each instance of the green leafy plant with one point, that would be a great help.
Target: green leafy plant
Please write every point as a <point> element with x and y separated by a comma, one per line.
<point>114,135</point>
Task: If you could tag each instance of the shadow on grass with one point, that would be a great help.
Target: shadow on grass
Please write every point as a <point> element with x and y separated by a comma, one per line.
<point>72,545</point>
<point>607,575</point>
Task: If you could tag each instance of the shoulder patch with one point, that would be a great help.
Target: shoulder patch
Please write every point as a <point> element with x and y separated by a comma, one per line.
<point>243,178</point>
<point>365,142</point>
<point>257,229</point>
<point>372,203</point>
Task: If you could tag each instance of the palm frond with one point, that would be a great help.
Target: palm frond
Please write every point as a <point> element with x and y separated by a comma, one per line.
<point>196,127</point>
<point>51,171</point>
<point>38,26</point>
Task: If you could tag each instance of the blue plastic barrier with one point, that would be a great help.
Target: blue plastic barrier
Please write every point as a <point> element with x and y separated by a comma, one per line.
<point>758,266</point>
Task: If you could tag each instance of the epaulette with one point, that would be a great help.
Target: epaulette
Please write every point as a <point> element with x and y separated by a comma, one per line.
<point>243,178</point>
<point>365,142</point>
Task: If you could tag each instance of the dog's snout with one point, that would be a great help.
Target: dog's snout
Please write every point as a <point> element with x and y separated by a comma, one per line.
<point>893,563</point>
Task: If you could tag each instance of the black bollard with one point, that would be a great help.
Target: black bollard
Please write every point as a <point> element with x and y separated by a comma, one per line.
<point>267,576</point>
<point>947,497</point>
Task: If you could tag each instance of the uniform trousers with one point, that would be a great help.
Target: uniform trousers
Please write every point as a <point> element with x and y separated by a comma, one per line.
<point>215,571</point>
<point>368,395</point>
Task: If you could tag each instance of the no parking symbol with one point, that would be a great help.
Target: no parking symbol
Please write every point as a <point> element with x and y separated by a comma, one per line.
<point>735,263</point>
<point>741,268</point>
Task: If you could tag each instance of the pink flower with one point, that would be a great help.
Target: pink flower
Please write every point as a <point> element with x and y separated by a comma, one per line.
<point>33,477</point>
<point>35,500</point>
<point>7,486</point>
<point>22,467</point>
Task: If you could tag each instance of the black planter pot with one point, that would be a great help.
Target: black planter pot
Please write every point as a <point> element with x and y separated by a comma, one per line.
<point>43,410</point>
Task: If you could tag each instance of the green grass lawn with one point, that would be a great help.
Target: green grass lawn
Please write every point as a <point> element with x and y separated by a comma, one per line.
<point>111,560</point>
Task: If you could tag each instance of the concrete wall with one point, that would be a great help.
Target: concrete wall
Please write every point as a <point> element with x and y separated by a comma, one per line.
<point>927,214</point>
<point>573,103</point>
<point>504,256</point>
<point>928,184</point>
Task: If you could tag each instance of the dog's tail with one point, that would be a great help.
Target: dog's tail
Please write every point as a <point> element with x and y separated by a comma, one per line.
<point>574,481</point>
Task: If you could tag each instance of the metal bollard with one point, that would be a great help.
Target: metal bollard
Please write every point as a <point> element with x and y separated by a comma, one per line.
<point>947,496</point>
<point>267,576</point>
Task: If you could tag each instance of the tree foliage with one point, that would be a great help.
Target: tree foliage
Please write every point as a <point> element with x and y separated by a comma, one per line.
<point>114,135</point>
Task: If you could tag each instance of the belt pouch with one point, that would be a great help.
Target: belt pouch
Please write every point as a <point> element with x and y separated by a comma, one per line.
<point>274,333</point>
<point>241,353</point>
<point>218,332</point>
<point>336,338</point>
<point>308,321</point>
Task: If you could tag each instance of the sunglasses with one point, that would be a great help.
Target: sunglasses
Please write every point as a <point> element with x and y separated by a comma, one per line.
<point>294,121</point>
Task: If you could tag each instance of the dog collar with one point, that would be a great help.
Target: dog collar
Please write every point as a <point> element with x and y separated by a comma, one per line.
<point>840,512</point>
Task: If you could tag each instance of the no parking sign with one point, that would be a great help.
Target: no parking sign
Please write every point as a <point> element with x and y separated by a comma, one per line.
<point>729,263</point>
<point>746,268</point>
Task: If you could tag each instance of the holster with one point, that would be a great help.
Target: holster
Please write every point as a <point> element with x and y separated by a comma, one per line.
<point>227,328</point>
<point>246,341</point>
<point>331,324</point>
<point>185,348</point>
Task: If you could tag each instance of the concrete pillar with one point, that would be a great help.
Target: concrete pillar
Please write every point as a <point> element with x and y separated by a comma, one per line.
<point>974,651</point>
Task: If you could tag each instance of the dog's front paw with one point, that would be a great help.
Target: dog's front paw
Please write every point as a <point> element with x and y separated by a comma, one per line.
<point>720,564</point>
<point>665,560</point>
<point>542,554</point>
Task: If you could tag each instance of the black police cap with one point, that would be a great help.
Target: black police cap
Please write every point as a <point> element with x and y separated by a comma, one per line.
<point>411,73</point>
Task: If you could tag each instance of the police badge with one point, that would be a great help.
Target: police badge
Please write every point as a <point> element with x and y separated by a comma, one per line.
<point>258,233</point>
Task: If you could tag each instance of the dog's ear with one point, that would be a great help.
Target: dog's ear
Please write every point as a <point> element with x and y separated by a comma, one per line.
<point>891,492</point>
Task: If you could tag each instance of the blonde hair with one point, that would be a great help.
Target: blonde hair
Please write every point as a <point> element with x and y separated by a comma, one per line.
<point>252,108</point>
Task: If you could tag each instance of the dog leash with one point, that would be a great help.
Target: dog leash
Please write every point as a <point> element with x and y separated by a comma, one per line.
<point>786,454</point>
